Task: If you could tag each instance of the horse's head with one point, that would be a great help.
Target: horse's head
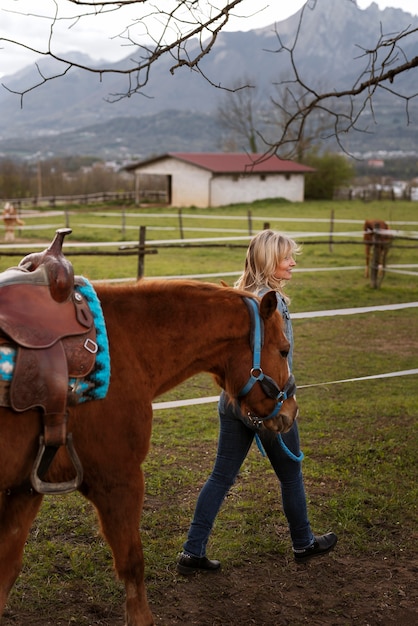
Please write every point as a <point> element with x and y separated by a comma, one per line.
<point>268,393</point>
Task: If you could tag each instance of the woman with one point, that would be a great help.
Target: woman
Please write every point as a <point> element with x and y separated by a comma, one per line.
<point>268,265</point>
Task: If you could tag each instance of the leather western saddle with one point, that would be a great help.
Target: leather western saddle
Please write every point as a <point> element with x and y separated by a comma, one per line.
<point>52,328</point>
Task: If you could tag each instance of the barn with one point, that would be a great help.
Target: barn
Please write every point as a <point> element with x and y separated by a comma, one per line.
<point>210,179</point>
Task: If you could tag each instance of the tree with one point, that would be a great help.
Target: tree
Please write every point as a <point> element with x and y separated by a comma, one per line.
<point>13,178</point>
<point>188,30</point>
<point>384,61</point>
<point>71,176</point>
<point>332,171</point>
<point>303,138</point>
<point>240,113</point>
<point>254,121</point>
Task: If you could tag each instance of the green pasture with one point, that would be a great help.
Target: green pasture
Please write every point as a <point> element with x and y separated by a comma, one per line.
<point>121,224</point>
<point>360,438</point>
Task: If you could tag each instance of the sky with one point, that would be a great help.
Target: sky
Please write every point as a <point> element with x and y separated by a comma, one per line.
<point>97,36</point>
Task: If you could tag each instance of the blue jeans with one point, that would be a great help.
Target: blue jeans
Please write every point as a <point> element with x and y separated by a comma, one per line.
<point>235,439</point>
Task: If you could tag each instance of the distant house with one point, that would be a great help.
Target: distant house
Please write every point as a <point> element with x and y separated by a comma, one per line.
<point>216,179</point>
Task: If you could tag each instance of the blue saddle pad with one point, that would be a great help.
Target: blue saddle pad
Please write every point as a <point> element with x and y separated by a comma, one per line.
<point>95,385</point>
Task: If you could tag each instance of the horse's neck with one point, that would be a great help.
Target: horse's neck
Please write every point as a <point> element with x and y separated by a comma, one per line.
<point>173,337</point>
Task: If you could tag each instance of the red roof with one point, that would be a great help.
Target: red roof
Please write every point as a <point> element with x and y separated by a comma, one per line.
<point>232,162</point>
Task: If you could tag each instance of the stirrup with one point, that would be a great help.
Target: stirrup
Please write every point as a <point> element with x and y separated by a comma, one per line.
<point>56,488</point>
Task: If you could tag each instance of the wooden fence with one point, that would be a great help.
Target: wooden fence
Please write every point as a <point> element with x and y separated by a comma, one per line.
<point>84,198</point>
<point>141,248</point>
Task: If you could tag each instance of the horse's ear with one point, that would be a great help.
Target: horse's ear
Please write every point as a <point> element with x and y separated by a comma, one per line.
<point>268,305</point>
<point>224,284</point>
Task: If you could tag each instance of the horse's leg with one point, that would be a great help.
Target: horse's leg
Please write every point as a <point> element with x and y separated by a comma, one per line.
<point>366,269</point>
<point>119,509</point>
<point>17,512</point>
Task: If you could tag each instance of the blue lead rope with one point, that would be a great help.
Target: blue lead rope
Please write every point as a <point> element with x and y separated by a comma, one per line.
<point>256,345</point>
<point>284,447</point>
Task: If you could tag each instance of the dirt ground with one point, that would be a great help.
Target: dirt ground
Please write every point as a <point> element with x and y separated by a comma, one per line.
<point>334,590</point>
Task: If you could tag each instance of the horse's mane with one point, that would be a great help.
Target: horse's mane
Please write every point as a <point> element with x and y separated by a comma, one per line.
<point>163,286</point>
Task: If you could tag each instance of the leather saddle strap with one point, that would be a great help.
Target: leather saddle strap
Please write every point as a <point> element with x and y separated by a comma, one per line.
<point>55,430</point>
<point>41,380</point>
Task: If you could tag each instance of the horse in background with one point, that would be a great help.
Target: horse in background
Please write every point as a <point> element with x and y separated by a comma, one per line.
<point>159,334</point>
<point>11,220</point>
<point>375,235</point>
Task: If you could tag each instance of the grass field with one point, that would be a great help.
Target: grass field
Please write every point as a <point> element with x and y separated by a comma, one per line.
<point>101,224</point>
<point>360,439</point>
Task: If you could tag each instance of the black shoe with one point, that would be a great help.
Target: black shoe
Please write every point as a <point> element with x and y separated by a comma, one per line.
<point>187,564</point>
<point>321,545</point>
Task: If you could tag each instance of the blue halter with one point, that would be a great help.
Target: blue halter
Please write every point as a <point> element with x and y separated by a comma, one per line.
<point>269,386</point>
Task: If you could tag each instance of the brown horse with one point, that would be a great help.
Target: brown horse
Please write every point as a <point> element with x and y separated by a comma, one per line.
<point>374,235</point>
<point>160,333</point>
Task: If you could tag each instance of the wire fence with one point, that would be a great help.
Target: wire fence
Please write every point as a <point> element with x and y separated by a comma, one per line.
<point>141,248</point>
<point>314,314</point>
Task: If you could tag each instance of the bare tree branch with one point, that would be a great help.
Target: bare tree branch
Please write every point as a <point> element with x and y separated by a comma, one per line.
<point>181,25</point>
<point>240,112</point>
<point>188,32</point>
<point>344,106</point>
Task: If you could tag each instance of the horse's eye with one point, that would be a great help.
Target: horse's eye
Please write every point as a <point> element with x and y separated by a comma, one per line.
<point>284,353</point>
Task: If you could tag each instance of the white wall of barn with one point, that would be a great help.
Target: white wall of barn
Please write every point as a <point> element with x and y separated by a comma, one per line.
<point>194,186</point>
<point>189,184</point>
<point>229,189</point>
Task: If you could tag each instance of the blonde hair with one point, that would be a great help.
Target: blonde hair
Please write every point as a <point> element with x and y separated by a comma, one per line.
<point>266,250</point>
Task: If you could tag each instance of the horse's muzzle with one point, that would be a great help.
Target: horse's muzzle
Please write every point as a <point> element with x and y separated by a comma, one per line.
<point>280,422</point>
<point>283,421</point>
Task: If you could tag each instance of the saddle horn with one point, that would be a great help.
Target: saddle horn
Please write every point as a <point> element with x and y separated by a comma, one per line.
<point>59,270</point>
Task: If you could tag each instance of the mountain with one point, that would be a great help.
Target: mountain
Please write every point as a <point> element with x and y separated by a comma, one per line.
<point>124,138</point>
<point>81,113</point>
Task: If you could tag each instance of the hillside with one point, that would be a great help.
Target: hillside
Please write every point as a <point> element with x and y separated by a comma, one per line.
<point>74,114</point>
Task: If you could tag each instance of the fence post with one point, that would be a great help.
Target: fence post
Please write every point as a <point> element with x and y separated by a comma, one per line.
<point>331,230</point>
<point>181,224</point>
<point>123,222</point>
<point>67,218</point>
<point>141,252</point>
<point>250,223</point>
